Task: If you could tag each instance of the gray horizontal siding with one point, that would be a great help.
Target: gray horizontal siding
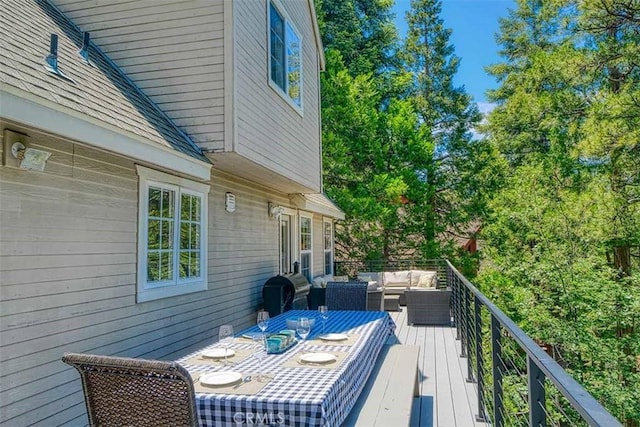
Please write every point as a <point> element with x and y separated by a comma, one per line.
<point>172,50</point>
<point>270,131</point>
<point>68,272</point>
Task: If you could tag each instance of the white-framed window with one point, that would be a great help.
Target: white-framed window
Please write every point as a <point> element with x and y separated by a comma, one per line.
<point>172,235</point>
<point>327,231</point>
<point>285,56</point>
<point>306,247</point>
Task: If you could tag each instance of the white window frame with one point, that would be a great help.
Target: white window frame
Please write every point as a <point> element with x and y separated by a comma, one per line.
<point>149,291</point>
<point>306,251</point>
<point>288,24</point>
<point>329,250</point>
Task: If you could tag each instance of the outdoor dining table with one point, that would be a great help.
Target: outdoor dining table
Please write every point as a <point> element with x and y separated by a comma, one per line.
<point>296,394</point>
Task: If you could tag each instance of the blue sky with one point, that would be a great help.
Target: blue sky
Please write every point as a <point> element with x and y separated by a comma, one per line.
<point>474,24</point>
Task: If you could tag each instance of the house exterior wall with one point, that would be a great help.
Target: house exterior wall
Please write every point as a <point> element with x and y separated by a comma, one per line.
<point>269,131</point>
<point>68,275</point>
<point>173,51</point>
<point>69,235</point>
<point>205,64</point>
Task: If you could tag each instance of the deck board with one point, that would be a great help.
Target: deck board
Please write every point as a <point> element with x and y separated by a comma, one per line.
<point>446,399</point>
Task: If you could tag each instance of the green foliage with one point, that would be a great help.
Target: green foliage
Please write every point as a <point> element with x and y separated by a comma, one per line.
<point>563,226</point>
<point>555,185</point>
<point>398,155</point>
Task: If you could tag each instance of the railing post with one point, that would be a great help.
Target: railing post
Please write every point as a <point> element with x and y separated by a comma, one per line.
<point>463,321</point>
<point>496,357</point>
<point>479,359</point>
<point>454,283</point>
<point>467,333</point>
<point>537,413</point>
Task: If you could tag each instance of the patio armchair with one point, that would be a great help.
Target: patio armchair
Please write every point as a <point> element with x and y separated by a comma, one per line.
<point>347,295</point>
<point>135,392</point>
<point>428,306</point>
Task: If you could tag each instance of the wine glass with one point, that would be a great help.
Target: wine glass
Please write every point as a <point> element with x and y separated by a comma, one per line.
<point>303,328</point>
<point>259,352</point>
<point>263,321</point>
<point>324,315</point>
<point>225,336</point>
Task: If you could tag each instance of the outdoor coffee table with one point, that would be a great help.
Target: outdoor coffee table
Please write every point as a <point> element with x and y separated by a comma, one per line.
<point>297,394</point>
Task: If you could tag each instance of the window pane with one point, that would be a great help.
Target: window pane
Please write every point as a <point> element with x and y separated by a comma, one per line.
<point>184,264</point>
<point>194,265</point>
<point>195,236</point>
<point>185,237</point>
<point>166,234</point>
<point>167,204</point>
<point>327,263</point>
<point>153,232</point>
<point>305,234</point>
<point>195,208</point>
<point>327,236</point>
<point>293,65</point>
<point>185,207</point>
<point>154,201</point>
<point>189,264</point>
<point>277,47</point>
<point>153,266</point>
<point>166,265</point>
<point>305,268</point>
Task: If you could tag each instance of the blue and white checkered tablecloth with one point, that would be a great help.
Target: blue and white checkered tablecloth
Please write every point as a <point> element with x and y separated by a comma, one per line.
<point>304,395</point>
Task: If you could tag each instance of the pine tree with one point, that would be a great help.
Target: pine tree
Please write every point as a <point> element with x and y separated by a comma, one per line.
<point>561,227</point>
<point>448,116</point>
<point>362,31</point>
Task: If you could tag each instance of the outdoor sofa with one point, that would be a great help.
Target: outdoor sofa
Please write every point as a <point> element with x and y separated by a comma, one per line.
<point>396,282</point>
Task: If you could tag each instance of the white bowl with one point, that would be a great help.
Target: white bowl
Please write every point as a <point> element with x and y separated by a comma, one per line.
<point>292,322</point>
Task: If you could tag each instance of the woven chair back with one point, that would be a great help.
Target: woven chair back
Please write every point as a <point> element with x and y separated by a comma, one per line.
<point>347,295</point>
<point>122,391</point>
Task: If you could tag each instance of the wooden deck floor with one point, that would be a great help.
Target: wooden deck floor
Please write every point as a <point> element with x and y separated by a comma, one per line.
<point>446,399</point>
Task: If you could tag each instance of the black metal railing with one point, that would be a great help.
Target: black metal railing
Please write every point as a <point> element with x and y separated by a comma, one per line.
<point>517,382</point>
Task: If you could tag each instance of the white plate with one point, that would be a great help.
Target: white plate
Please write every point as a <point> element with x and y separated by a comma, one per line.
<point>221,378</point>
<point>334,337</point>
<point>217,353</point>
<point>317,357</point>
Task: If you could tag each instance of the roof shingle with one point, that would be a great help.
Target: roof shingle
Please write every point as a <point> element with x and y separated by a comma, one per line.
<point>99,90</point>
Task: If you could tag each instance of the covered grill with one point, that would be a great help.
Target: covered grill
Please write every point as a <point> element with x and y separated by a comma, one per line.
<point>285,292</point>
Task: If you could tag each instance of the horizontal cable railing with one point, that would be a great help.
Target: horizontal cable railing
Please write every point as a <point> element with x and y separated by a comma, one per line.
<point>518,383</point>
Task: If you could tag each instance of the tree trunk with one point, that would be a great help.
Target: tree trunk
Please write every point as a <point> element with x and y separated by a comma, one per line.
<point>622,260</point>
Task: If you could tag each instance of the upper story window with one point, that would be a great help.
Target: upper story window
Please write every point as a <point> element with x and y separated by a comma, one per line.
<point>285,56</point>
<point>172,235</point>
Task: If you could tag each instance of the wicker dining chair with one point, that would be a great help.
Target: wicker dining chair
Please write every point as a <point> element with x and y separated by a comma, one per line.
<point>346,295</point>
<point>121,391</point>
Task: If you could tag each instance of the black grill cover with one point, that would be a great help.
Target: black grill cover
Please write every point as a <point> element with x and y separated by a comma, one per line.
<point>285,292</point>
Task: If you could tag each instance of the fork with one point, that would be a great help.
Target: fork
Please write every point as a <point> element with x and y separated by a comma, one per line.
<point>244,380</point>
